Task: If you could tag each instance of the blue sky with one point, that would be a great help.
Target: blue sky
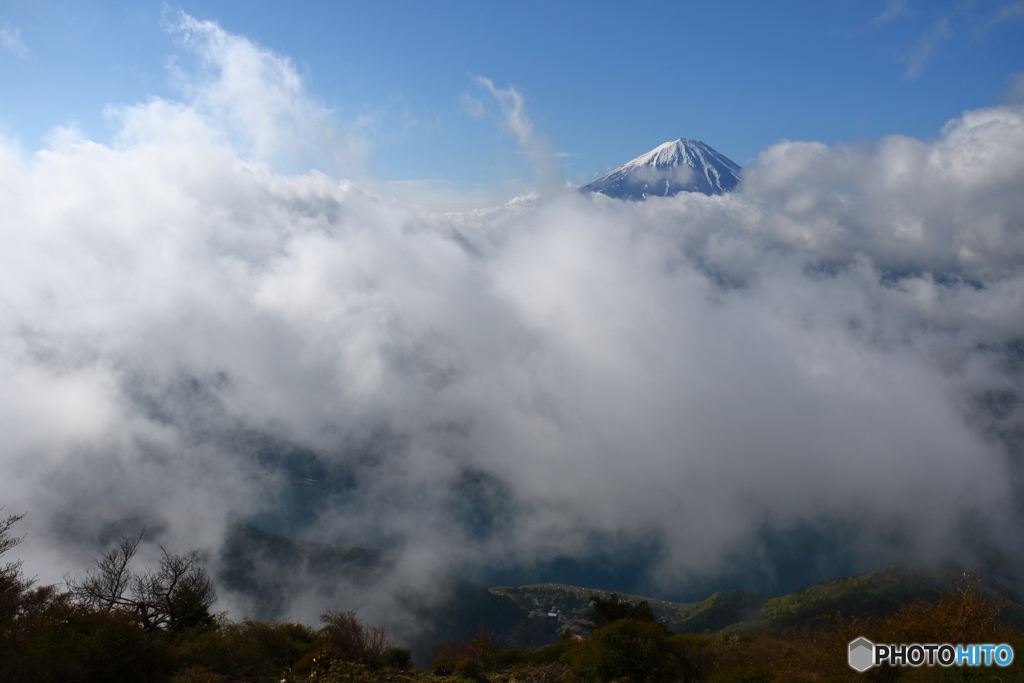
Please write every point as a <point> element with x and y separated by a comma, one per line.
<point>601,83</point>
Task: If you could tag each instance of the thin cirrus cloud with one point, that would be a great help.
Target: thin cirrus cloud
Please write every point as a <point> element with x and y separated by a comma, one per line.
<point>513,119</point>
<point>835,345</point>
<point>1015,93</point>
<point>895,8</point>
<point>10,39</point>
<point>925,48</point>
<point>1007,12</point>
<point>954,24</point>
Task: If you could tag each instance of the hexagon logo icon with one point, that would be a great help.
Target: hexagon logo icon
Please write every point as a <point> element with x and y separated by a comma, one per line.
<point>862,654</point>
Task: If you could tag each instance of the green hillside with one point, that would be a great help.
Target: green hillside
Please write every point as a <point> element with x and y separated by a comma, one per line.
<point>876,592</point>
<point>575,600</point>
<point>722,610</point>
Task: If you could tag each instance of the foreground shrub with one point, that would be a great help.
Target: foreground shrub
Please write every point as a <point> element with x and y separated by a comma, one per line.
<point>483,647</point>
<point>470,668</point>
<point>608,610</point>
<point>443,666</point>
<point>693,655</point>
<point>72,643</point>
<point>399,658</point>
<point>345,638</point>
<point>197,674</point>
<point>560,652</point>
<point>555,672</point>
<point>248,649</point>
<point>638,650</point>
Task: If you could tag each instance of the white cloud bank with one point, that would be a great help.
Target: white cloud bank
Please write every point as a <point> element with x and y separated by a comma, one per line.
<point>839,343</point>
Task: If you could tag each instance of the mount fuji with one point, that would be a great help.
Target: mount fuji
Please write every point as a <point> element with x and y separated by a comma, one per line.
<point>676,166</point>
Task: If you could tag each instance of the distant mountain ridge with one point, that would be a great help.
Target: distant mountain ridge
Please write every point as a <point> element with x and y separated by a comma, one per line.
<point>668,169</point>
<point>879,591</point>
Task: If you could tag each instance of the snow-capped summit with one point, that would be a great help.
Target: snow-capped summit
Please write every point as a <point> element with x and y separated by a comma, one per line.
<point>676,166</point>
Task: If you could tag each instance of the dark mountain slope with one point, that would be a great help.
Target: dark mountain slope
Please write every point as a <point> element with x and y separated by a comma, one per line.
<point>276,578</point>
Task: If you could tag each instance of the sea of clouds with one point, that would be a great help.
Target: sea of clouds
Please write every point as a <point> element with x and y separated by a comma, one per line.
<point>837,346</point>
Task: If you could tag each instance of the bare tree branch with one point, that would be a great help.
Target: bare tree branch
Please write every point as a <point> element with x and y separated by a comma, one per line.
<point>12,583</point>
<point>105,586</point>
<point>177,595</point>
<point>6,540</point>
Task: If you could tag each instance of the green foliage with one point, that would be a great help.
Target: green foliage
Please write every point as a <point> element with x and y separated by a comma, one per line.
<point>399,658</point>
<point>197,674</point>
<point>725,609</point>
<point>344,671</point>
<point>483,647</point>
<point>470,668</point>
<point>508,658</point>
<point>875,593</point>
<point>558,652</point>
<point>71,642</point>
<point>250,649</point>
<point>443,666</point>
<point>575,601</point>
<point>464,667</point>
<point>694,655</point>
<point>534,633</point>
<point>626,648</point>
<point>606,610</point>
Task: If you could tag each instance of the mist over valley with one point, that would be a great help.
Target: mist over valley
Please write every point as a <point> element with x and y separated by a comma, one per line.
<point>814,374</point>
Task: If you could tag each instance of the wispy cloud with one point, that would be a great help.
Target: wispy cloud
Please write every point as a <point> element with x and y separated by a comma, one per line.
<point>895,8</point>
<point>513,119</point>
<point>1012,11</point>
<point>925,49</point>
<point>1015,93</point>
<point>511,102</point>
<point>10,39</point>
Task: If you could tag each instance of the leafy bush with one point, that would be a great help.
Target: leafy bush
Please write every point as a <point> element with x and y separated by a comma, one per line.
<point>470,668</point>
<point>483,647</point>
<point>250,649</point>
<point>611,609</point>
<point>694,655</point>
<point>397,658</point>
<point>345,638</point>
<point>531,633</point>
<point>561,651</point>
<point>508,658</point>
<point>443,666</point>
<point>638,650</point>
<point>197,674</point>
<point>73,643</point>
